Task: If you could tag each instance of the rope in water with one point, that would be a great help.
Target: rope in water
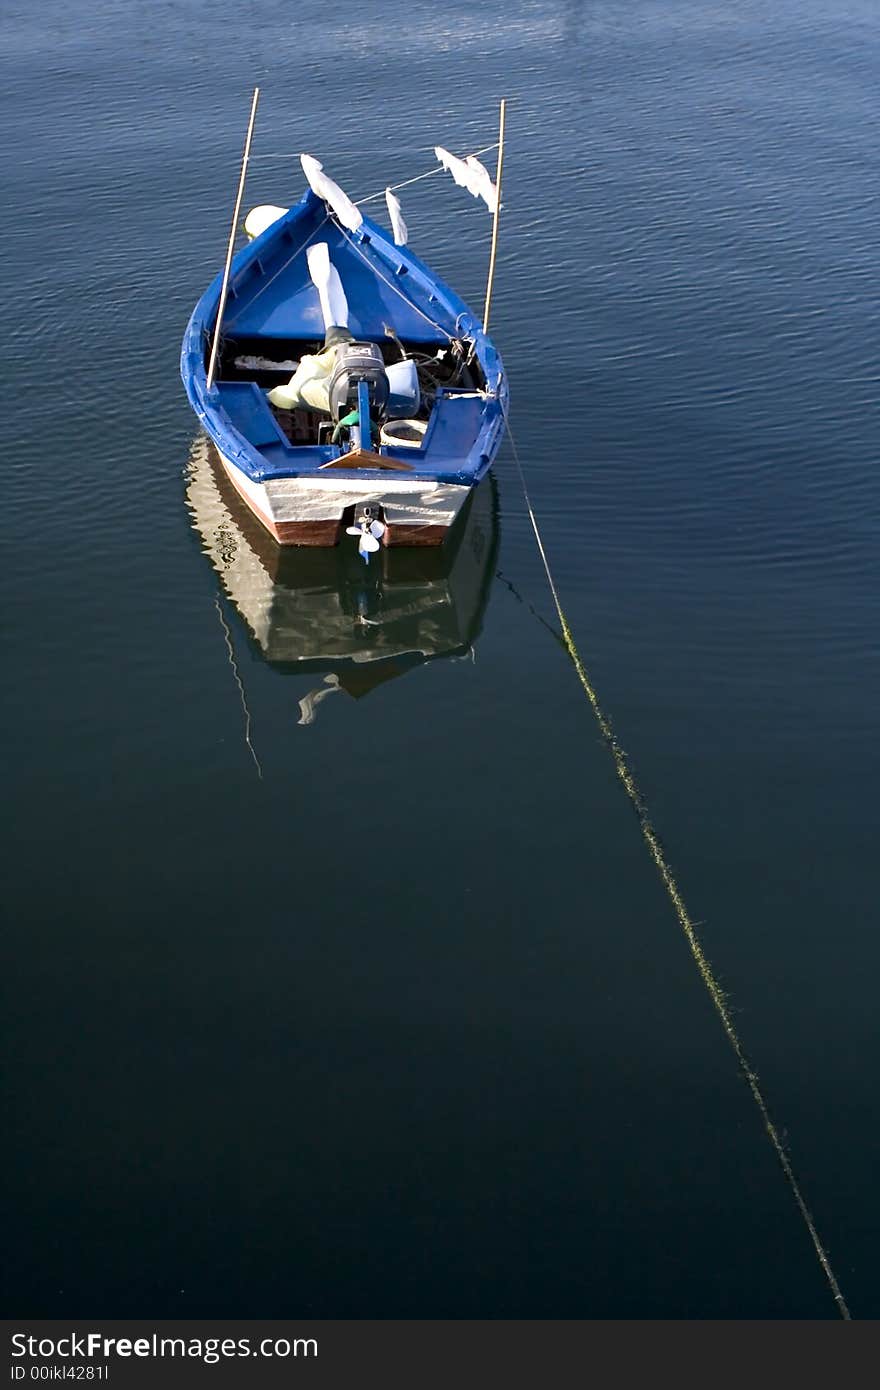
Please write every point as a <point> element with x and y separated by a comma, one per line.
<point>656,851</point>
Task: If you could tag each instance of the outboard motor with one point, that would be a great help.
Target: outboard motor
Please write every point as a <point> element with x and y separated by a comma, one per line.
<point>356,363</point>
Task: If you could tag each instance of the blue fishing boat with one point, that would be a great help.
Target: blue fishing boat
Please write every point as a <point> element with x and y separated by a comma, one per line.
<point>346,388</point>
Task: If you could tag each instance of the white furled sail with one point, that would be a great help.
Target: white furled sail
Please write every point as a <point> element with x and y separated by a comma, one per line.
<point>398,226</point>
<point>349,215</point>
<point>486,188</point>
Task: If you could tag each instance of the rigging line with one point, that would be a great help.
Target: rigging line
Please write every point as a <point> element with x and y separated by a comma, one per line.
<point>390,283</point>
<point>655,849</point>
<point>487,149</point>
<point>393,187</point>
<point>296,155</point>
<point>244,704</point>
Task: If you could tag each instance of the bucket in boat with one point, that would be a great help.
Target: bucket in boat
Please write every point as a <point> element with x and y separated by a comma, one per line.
<point>408,433</point>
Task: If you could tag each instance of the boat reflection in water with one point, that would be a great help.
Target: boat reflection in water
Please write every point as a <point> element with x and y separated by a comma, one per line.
<point>325,611</point>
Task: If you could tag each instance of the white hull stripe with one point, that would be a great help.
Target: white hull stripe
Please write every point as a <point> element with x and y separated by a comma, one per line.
<point>286,500</point>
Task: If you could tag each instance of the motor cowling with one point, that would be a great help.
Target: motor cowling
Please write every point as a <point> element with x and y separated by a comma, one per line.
<point>356,362</point>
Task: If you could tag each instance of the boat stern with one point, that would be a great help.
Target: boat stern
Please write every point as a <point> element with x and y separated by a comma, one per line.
<point>316,511</point>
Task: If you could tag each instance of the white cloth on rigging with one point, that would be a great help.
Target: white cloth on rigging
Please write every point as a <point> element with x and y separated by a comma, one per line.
<point>349,215</point>
<point>398,225</point>
<point>470,174</point>
<point>486,188</point>
<point>463,176</point>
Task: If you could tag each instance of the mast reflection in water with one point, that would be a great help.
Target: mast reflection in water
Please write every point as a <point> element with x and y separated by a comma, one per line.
<point>325,611</point>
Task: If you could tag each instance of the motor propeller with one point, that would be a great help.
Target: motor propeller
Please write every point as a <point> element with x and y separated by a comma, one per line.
<point>369,532</point>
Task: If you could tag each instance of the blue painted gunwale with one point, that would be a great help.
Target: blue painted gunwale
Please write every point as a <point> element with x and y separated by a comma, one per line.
<point>463,435</point>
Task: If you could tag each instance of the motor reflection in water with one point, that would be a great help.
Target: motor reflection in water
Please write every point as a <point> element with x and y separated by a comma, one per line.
<point>324,611</point>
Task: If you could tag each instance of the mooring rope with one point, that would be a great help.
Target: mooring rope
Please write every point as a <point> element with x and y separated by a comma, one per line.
<point>655,849</point>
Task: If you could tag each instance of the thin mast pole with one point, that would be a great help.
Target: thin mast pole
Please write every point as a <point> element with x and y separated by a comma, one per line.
<point>244,163</point>
<point>495,223</point>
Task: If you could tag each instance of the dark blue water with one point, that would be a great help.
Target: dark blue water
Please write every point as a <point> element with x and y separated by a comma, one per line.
<point>406,1025</point>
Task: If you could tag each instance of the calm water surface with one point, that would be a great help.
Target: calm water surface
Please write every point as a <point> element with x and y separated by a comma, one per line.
<point>406,1026</point>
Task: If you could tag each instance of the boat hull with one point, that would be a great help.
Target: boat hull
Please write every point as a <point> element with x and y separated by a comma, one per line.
<point>311,512</point>
<point>305,489</point>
